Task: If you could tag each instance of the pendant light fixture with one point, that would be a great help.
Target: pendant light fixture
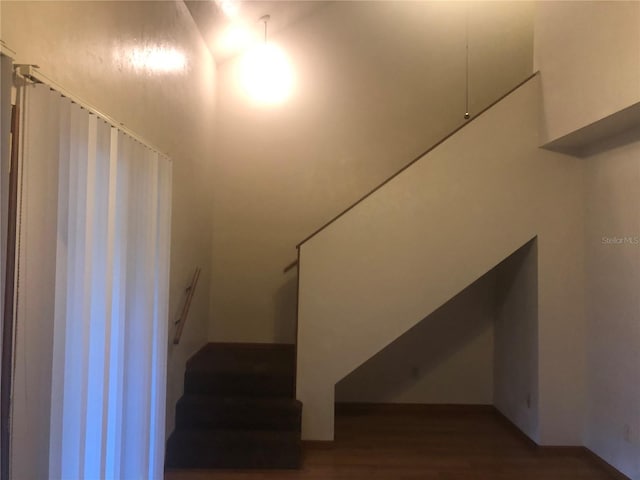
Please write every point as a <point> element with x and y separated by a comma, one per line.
<point>266,73</point>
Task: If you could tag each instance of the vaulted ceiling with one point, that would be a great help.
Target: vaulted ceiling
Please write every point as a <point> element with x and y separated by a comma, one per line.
<point>212,22</point>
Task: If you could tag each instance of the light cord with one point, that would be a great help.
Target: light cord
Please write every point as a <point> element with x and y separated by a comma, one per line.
<point>466,35</point>
<point>265,19</point>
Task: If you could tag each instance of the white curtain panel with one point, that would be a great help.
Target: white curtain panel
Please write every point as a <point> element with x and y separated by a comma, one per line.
<point>108,201</point>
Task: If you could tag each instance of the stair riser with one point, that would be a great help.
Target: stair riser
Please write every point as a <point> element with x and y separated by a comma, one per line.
<point>239,385</point>
<point>237,461</point>
<point>188,417</point>
<point>196,452</point>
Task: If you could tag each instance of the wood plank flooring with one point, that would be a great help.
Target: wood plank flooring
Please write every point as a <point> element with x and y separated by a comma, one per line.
<point>424,444</point>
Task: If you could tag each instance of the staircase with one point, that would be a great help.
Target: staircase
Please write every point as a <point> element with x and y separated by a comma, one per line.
<point>383,265</point>
<point>238,409</point>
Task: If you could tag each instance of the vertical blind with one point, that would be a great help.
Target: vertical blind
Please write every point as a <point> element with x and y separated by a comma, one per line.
<point>5,128</point>
<point>6,70</point>
<point>103,316</point>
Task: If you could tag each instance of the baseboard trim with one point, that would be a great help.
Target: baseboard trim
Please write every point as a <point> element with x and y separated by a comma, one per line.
<point>613,471</point>
<point>564,450</point>
<point>514,428</point>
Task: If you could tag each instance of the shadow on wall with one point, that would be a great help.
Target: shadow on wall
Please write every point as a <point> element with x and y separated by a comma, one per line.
<point>446,358</point>
<point>516,339</point>
<point>285,306</point>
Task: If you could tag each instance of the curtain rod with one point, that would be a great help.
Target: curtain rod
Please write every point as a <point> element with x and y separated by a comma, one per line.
<point>31,72</point>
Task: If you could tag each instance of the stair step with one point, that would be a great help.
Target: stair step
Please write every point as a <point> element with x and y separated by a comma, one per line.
<point>238,409</point>
<point>243,413</point>
<point>278,359</point>
<point>238,384</point>
<point>250,369</point>
<point>233,449</point>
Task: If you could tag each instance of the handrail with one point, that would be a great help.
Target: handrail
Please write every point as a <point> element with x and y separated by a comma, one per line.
<point>182,319</point>
<point>433,147</point>
<point>290,266</point>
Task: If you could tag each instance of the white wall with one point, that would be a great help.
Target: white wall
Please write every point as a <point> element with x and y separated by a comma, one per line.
<point>377,84</point>
<point>516,340</point>
<point>447,358</point>
<point>428,234</point>
<point>613,307</point>
<point>589,56</point>
<point>83,47</point>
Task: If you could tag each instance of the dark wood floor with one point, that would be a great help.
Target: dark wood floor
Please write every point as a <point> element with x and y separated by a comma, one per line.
<point>427,444</point>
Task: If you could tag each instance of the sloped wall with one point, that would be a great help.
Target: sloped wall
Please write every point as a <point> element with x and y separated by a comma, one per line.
<point>447,358</point>
<point>428,234</point>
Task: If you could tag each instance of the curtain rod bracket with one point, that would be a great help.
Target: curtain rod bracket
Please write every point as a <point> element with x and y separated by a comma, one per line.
<point>26,71</point>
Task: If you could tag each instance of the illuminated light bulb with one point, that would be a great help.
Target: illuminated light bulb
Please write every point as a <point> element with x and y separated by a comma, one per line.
<point>267,75</point>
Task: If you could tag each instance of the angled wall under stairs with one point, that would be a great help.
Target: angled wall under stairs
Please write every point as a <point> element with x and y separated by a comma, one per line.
<point>237,410</point>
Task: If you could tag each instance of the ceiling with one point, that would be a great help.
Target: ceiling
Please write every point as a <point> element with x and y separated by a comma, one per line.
<point>213,23</point>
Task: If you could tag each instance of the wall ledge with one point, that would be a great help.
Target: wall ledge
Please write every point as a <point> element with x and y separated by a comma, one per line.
<point>613,131</point>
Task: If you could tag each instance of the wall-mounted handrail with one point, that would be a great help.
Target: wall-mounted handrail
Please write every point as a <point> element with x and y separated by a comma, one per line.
<point>435,145</point>
<point>291,266</point>
<point>182,319</point>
